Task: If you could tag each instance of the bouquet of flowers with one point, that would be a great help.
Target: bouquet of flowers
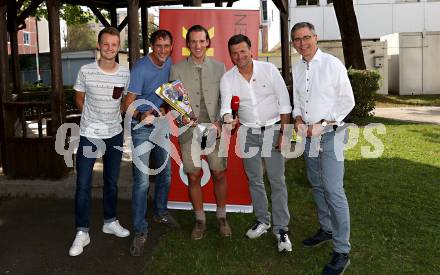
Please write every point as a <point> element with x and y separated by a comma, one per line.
<point>176,96</point>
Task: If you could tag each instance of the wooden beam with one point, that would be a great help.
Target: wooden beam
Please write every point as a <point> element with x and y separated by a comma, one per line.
<point>145,23</point>
<point>133,31</point>
<point>123,24</point>
<point>114,23</point>
<point>195,3</point>
<point>12,29</point>
<point>282,5</point>
<point>113,17</point>
<point>57,94</point>
<point>285,48</point>
<point>4,83</point>
<point>97,13</point>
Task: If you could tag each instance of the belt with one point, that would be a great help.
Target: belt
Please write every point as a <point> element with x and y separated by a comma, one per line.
<point>264,127</point>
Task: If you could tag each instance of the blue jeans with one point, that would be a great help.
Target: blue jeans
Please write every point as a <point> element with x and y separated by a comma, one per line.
<point>86,156</point>
<point>150,141</point>
<point>325,171</point>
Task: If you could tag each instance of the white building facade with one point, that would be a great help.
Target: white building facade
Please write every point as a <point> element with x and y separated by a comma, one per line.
<point>393,55</point>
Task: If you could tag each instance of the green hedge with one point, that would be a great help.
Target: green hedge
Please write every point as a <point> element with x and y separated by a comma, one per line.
<point>365,83</point>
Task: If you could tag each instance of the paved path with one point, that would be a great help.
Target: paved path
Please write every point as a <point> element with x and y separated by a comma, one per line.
<point>35,236</point>
<point>417,114</point>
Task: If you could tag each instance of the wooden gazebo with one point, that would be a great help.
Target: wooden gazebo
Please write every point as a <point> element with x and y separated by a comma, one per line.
<point>35,157</point>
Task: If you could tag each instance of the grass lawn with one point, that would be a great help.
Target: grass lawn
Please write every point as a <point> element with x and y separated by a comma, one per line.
<point>389,101</point>
<point>395,218</point>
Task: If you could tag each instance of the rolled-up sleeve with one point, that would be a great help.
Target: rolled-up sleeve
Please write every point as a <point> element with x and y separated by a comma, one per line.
<point>280,88</point>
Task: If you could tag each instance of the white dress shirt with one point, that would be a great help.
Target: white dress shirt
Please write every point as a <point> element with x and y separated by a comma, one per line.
<point>262,99</point>
<point>322,89</point>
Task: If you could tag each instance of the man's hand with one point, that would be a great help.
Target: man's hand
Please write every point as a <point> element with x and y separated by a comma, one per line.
<point>218,126</point>
<point>228,119</point>
<point>147,117</point>
<point>300,126</point>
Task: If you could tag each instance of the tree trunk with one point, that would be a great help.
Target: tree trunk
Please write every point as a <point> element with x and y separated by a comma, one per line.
<point>351,40</point>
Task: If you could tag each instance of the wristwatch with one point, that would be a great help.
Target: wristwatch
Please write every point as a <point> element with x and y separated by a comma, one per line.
<point>324,123</point>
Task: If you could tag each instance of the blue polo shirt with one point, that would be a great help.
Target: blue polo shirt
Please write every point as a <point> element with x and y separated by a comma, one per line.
<point>145,78</point>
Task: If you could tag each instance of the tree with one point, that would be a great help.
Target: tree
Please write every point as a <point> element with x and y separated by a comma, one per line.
<point>80,37</point>
<point>351,40</point>
<point>72,14</point>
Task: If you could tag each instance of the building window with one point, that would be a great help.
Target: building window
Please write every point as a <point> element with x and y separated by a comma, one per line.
<point>307,2</point>
<point>26,38</point>
<point>264,11</point>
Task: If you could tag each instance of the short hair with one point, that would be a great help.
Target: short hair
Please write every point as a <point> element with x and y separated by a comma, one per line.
<point>237,39</point>
<point>160,33</point>
<point>198,28</point>
<point>109,30</point>
<point>301,25</point>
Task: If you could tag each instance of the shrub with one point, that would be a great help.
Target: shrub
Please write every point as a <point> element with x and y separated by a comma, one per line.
<point>365,83</point>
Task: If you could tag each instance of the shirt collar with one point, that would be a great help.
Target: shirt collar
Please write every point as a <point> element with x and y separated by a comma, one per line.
<point>317,57</point>
<point>191,60</point>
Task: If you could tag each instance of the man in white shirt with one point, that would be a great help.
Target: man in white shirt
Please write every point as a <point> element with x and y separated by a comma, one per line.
<point>99,88</point>
<point>263,111</point>
<point>322,98</point>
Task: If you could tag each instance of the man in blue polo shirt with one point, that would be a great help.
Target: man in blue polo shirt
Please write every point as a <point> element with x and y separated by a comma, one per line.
<point>146,76</point>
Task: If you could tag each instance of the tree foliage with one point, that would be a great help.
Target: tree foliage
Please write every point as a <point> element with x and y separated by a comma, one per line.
<point>80,37</point>
<point>71,14</point>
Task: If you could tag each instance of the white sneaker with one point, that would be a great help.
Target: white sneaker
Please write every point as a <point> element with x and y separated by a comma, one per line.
<point>284,243</point>
<point>116,229</point>
<point>81,239</point>
<point>257,230</point>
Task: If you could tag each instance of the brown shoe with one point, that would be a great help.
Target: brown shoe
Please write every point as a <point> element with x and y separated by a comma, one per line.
<point>199,230</point>
<point>225,229</point>
<point>137,246</point>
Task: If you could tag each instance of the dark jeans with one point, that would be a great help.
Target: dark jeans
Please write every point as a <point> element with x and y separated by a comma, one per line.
<point>86,156</point>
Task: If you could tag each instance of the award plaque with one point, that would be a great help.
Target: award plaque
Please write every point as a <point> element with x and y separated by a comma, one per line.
<point>176,96</point>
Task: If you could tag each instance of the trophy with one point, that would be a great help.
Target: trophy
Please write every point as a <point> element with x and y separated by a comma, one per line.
<point>176,96</point>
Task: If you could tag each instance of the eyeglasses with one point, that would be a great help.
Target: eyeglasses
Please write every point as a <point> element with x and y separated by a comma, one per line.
<point>305,38</point>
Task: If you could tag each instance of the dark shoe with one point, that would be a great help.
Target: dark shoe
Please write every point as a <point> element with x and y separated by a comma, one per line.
<point>337,264</point>
<point>199,230</point>
<point>224,228</point>
<point>137,246</point>
<point>167,220</point>
<point>319,238</point>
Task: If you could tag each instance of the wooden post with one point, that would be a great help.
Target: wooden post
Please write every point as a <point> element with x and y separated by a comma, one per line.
<point>196,3</point>
<point>114,23</point>
<point>144,19</point>
<point>133,31</point>
<point>12,29</point>
<point>4,83</point>
<point>58,110</point>
<point>285,48</point>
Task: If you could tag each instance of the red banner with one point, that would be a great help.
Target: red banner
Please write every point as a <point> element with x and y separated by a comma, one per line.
<point>221,23</point>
